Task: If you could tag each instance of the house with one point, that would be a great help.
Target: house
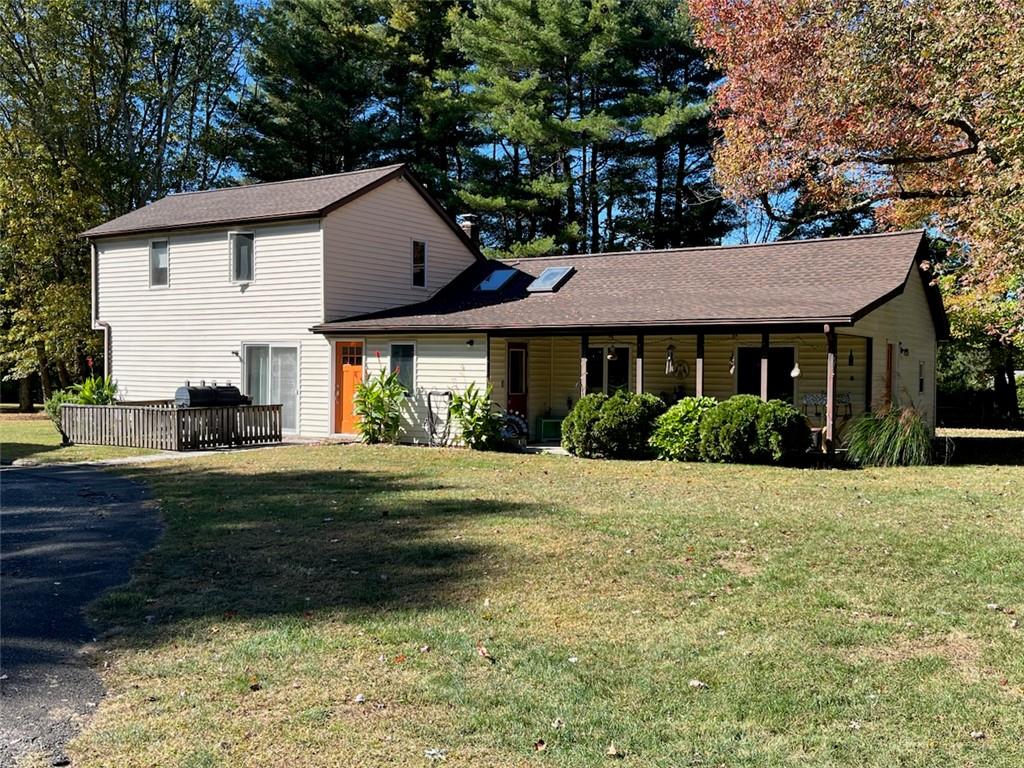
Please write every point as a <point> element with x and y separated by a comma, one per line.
<point>224,285</point>
<point>301,289</point>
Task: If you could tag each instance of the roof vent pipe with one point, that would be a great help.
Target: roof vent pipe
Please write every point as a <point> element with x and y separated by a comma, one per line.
<point>469,225</point>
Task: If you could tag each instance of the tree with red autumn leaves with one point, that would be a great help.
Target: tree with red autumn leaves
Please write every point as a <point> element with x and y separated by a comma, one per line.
<point>911,110</point>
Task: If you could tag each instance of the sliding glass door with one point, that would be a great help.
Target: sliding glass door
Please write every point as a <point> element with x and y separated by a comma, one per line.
<point>272,377</point>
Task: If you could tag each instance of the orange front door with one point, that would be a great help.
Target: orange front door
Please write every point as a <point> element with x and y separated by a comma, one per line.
<point>348,372</point>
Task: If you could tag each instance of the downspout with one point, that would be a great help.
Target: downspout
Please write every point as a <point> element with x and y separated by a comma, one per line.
<point>97,324</point>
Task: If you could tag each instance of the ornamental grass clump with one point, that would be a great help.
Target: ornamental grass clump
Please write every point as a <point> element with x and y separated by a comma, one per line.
<point>894,437</point>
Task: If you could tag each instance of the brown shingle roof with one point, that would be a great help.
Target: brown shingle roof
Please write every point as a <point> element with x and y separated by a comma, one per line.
<point>833,280</point>
<point>297,198</point>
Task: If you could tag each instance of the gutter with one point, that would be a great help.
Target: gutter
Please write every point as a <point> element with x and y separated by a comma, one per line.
<point>97,324</point>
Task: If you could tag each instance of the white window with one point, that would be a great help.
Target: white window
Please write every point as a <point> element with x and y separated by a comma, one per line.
<point>242,261</point>
<point>403,363</point>
<point>158,263</point>
<point>272,378</point>
<point>419,264</point>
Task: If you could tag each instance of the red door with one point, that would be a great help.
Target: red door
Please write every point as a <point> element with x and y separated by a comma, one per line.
<point>517,379</point>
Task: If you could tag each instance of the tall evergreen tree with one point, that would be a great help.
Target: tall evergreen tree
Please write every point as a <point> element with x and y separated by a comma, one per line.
<point>596,126</point>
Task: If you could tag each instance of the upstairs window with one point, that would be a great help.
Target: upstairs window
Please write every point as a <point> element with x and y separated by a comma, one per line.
<point>419,264</point>
<point>241,256</point>
<point>158,263</point>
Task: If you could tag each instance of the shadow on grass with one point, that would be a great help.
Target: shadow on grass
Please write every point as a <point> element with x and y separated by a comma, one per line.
<point>988,451</point>
<point>11,451</point>
<point>299,542</point>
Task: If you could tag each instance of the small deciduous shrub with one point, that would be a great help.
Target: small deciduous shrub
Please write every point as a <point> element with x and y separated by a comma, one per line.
<point>745,428</point>
<point>96,390</point>
<point>52,408</point>
<point>378,404</point>
<point>676,434</point>
<point>616,427</point>
<point>578,426</point>
<point>895,437</point>
<point>479,421</point>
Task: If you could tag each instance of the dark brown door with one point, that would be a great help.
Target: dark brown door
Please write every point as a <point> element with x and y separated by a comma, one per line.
<point>889,364</point>
<point>517,379</point>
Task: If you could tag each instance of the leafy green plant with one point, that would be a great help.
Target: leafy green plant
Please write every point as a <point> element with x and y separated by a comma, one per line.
<point>676,434</point>
<point>378,404</point>
<point>746,429</point>
<point>96,390</point>
<point>616,427</point>
<point>52,408</point>
<point>479,422</point>
<point>895,437</point>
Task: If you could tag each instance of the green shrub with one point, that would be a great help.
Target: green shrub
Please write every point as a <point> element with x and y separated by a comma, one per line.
<point>616,427</point>
<point>676,434</point>
<point>479,422</point>
<point>96,390</point>
<point>745,429</point>
<point>52,408</point>
<point>782,432</point>
<point>895,437</point>
<point>378,404</point>
<point>578,426</point>
<point>728,432</point>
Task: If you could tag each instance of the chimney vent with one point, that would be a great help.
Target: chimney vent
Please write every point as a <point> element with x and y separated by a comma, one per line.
<point>469,225</point>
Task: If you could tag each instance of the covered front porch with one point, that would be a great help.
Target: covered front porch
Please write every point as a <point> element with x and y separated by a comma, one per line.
<point>541,377</point>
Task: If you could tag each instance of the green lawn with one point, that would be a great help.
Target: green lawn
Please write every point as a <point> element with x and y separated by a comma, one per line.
<point>33,437</point>
<point>326,606</point>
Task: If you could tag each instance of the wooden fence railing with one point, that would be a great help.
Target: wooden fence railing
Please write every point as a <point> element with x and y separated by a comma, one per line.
<point>162,428</point>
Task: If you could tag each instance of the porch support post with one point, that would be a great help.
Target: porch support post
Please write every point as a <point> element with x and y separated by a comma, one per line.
<point>869,361</point>
<point>700,366</point>
<point>639,362</point>
<point>584,343</point>
<point>764,366</point>
<point>830,390</point>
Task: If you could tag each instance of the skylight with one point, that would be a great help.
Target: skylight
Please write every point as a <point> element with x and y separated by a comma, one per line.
<point>550,279</point>
<point>495,280</point>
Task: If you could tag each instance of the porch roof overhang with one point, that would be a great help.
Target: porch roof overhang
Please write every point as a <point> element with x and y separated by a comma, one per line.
<point>792,285</point>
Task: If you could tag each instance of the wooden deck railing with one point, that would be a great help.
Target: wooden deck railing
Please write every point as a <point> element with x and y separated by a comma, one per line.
<point>162,428</point>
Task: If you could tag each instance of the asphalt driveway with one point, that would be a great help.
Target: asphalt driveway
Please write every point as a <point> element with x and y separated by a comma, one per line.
<point>67,534</point>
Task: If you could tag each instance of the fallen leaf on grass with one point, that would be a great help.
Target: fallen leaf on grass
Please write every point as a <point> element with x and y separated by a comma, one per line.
<point>436,754</point>
<point>539,745</point>
<point>483,653</point>
<point>695,683</point>
<point>977,735</point>
<point>614,752</point>
<point>558,723</point>
<point>399,658</point>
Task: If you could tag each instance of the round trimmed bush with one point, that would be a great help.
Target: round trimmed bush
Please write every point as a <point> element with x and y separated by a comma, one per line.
<point>744,428</point>
<point>616,427</point>
<point>578,426</point>
<point>676,434</point>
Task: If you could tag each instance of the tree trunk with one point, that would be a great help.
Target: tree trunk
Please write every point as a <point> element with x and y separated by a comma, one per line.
<point>25,395</point>
<point>63,375</point>
<point>44,371</point>
<point>1006,388</point>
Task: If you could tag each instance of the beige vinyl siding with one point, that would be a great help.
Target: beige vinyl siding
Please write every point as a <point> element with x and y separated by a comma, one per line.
<point>906,322</point>
<point>554,365</point>
<point>161,337</point>
<point>368,251</point>
<point>443,364</point>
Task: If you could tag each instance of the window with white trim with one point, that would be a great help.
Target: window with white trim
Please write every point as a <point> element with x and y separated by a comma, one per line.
<point>159,258</point>
<point>272,378</point>
<point>242,261</point>
<point>419,264</point>
<point>403,364</point>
